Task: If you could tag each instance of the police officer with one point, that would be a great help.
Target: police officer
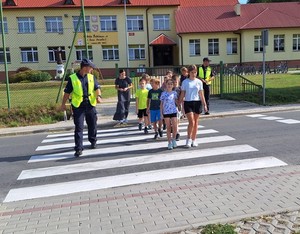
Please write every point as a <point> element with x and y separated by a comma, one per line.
<point>86,93</point>
<point>206,75</point>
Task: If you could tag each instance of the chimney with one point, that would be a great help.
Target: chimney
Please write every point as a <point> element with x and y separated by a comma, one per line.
<point>237,9</point>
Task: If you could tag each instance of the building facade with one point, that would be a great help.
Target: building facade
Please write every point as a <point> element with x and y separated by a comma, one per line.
<point>140,33</point>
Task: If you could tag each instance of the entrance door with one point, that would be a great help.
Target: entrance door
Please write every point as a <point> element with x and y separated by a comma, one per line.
<point>163,55</point>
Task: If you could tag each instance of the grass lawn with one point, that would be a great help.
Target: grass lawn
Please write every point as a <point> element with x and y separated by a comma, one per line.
<point>280,88</point>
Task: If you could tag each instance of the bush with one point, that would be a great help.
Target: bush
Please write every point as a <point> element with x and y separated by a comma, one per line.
<point>22,69</point>
<point>30,76</point>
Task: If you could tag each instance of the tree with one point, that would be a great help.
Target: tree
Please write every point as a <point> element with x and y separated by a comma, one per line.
<point>264,1</point>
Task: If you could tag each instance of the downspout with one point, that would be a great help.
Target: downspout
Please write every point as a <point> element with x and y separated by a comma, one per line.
<point>181,49</point>
<point>147,25</point>
<point>240,36</point>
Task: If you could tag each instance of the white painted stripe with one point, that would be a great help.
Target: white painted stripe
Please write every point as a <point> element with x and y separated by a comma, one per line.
<point>122,133</point>
<point>124,162</point>
<point>138,178</point>
<point>139,137</point>
<point>255,115</point>
<point>125,148</point>
<point>289,121</point>
<point>270,118</point>
<point>109,130</point>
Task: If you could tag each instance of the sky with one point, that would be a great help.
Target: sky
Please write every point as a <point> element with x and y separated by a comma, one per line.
<point>243,1</point>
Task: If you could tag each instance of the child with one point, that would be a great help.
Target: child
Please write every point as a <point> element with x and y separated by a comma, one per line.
<point>153,107</point>
<point>177,89</point>
<point>184,74</point>
<point>147,78</point>
<point>141,105</point>
<point>168,108</point>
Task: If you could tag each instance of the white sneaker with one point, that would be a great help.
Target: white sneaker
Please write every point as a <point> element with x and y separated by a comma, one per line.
<point>188,143</point>
<point>194,144</point>
<point>174,143</point>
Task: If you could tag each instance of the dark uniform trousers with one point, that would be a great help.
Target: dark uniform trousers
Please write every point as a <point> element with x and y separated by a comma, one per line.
<point>88,112</point>
<point>206,89</point>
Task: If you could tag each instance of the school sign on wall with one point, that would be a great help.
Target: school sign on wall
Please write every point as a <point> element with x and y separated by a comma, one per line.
<point>98,38</point>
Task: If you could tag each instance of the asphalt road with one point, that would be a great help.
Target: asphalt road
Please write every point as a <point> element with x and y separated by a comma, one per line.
<point>268,136</point>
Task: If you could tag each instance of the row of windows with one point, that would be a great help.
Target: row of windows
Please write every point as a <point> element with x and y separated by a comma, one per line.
<point>30,54</point>
<point>232,48</point>
<point>107,23</point>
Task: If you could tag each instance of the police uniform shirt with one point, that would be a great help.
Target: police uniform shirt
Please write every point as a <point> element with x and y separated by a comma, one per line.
<point>84,83</point>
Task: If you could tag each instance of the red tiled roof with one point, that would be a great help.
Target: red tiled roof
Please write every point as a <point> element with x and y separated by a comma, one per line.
<point>89,3</point>
<point>224,18</point>
<point>162,39</point>
<point>195,3</point>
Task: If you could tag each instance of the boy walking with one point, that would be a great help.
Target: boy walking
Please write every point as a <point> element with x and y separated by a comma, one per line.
<point>153,107</point>
<point>141,105</point>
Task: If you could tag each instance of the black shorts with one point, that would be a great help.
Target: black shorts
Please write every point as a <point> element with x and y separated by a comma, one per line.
<point>142,113</point>
<point>192,106</point>
<point>170,115</point>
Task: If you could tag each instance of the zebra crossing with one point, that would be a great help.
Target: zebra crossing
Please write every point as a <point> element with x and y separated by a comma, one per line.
<point>127,147</point>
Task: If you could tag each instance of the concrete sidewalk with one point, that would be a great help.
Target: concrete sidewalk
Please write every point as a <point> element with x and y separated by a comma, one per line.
<point>168,206</point>
<point>219,108</point>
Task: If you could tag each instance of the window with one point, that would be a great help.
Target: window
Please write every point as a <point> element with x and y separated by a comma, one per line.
<point>136,52</point>
<point>81,53</point>
<point>278,43</point>
<point>135,23</point>
<point>2,55</point>
<point>296,42</point>
<point>87,23</point>
<point>213,46</point>
<point>231,45</point>
<point>29,54</point>
<point>110,52</point>
<point>54,24</point>
<point>161,22</point>
<point>52,53</point>
<point>5,25</point>
<point>26,24</point>
<point>194,47</point>
<point>108,23</point>
<point>258,46</point>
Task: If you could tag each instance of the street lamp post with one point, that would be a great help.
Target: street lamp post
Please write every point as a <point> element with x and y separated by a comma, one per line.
<point>126,35</point>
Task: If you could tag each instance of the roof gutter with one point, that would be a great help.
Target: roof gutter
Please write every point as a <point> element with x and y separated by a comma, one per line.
<point>240,39</point>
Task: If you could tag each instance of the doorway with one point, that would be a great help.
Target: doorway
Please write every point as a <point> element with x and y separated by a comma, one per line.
<point>162,55</point>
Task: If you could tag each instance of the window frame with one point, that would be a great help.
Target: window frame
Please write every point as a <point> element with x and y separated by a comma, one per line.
<point>277,43</point>
<point>75,20</point>
<point>32,51</point>
<point>296,38</point>
<point>137,50</point>
<point>5,25</point>
<point>113,49</point>
<point>163,19</point>
<point>214,42</point>
<point>26,24</point>
<point>258,41</point>
<point>231,44</point>
<point>8,57</point>
<point>55,23</point>
<point>108,19</point>
<point>51,53</point>
<point>80,53</point>
<point>194,43</point>
<point>136,23</point>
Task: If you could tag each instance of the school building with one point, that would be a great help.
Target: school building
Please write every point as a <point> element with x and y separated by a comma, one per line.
<point>147,33</point>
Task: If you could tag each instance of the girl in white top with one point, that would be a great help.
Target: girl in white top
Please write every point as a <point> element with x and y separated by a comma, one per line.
<point>192,94</point>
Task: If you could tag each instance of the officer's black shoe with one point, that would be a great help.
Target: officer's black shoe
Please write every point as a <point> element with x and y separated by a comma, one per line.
<point>78,153</point>
<point>207,113</point>
<point>94,145</point>
<point>177,137</point>
<point>160,132</point>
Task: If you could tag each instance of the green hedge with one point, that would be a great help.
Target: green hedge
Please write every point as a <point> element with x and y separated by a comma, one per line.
<point>30,76</point>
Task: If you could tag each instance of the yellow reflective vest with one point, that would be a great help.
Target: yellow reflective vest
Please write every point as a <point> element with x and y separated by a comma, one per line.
<point>207,75</point>
<point>77,94</point>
